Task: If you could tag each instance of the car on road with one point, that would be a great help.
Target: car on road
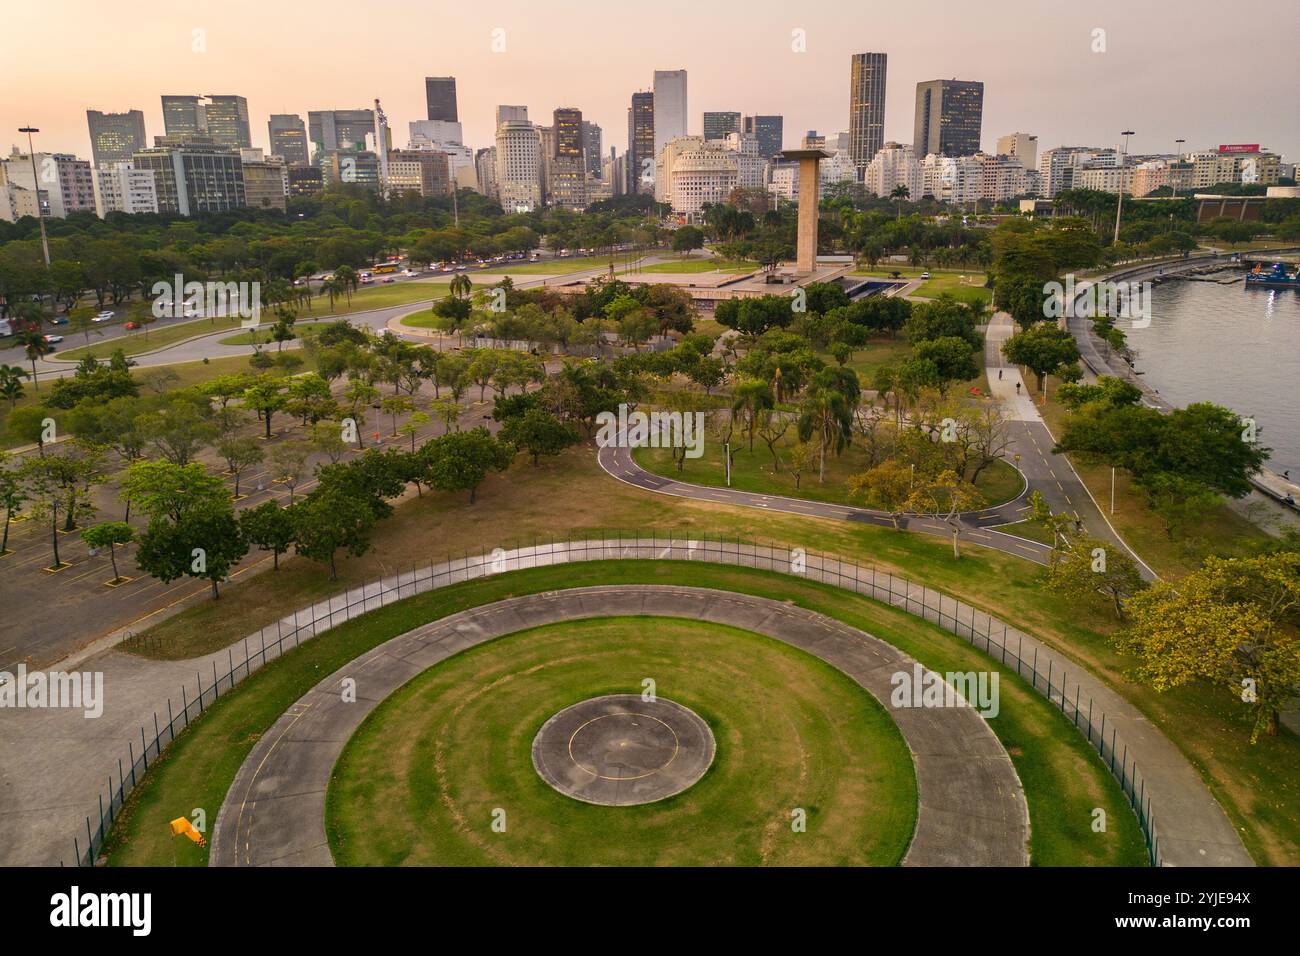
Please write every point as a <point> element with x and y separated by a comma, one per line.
<point>51,339</point>
<point>388,279</point>
<point>59,320</point>
<point>103,317</point>
<point>131,326</point>
<point>925,275</point>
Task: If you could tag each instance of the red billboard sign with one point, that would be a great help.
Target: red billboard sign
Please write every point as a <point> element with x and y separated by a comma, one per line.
<point>1239,148</point>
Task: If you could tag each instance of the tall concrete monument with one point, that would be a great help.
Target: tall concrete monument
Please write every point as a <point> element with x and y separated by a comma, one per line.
<point>809,199</point>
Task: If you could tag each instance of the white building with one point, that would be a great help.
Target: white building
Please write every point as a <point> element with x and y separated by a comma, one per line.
<point>670,106</point>
<point>120,187</point>
<point>519,166</point>
<point>1022,146</point>
<point>1107,179</point>
<point>445,136</point>
<point>894,165</point>
<point>1057,166</point>
<point>485,166</point>
<point>783,181</point>
<point>961,180</point>
<point>17,202</point>
<point>692,171</point>
<point>751,167</point>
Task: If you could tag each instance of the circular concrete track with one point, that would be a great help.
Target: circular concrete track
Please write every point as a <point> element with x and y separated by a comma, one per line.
<point>971,810</point>
<point>621,750</point>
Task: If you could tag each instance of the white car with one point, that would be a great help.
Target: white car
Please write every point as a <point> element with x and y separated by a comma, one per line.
<point>103,317</point>
<point>925,275</point>
<point>51,339</point>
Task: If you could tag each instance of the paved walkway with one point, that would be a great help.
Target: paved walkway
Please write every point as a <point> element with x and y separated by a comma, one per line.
<point>971,809</point>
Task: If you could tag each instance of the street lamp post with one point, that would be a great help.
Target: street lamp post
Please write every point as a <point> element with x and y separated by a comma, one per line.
<point>1119,206</point>
<point>1177,161</point>
<point>36,187</point>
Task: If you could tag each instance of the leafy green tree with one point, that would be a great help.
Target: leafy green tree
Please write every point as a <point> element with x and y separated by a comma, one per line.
<point>887,486</point>
<point>953,358</point>
<point>240,454</point>
<point>13,494</point>
<point>165,490</point>
<point>461,460</point>
<point>179,426</point>
<point>266,396</point>
<point>538,432</point>
<point>329,519</point>
<point>1090,569</point>
<point>270,527</point>
<point>1233,623</point>
<point>109,534</point>
<point>1043,348</point>
<point>11,383</point>
<point>205,543</point>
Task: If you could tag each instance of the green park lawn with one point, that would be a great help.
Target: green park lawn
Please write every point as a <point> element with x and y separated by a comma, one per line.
<point>1062,776</point>
<point>791,730</point>
<point>755,471</point>
<point>693,266</point>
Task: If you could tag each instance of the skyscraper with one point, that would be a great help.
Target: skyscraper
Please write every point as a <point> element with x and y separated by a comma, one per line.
<point>288,137</point>
<point>568,132</point>
<point>866,107</point>
<point>340,129</point>
<point>768,130</point>
<point>949,116</point>
<point>183,116</point>
<point>718,125</point>
<point>670,106</point>
<point>641,143</point>
<point>114,137</point>
<point>591,145</point>
<point>518,114</point>
<point>226,119</point>
<point>566,168</point>
<point>440,98</point>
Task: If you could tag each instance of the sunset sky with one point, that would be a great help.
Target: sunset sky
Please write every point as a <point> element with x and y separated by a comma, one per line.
<point>1197,70</point>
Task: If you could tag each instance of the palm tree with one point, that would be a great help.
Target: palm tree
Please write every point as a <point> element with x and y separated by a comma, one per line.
<point>349,279</point>
<point>900,193</point>
<point>826,413</point>
<point>749,398</point>
<point>461,286</point>
<point>11,383</point>
<point>332,288</point>
<point>34,344</point>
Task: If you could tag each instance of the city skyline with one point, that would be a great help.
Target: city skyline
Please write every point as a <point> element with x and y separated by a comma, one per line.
<point>1059,89</point>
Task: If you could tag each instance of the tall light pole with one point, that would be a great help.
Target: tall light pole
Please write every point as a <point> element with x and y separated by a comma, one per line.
<point>36,186</point>
<point>1178,143</point>
<point>1119,206</point>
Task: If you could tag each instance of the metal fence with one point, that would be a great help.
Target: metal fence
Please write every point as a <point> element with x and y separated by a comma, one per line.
<point>1007,646</point>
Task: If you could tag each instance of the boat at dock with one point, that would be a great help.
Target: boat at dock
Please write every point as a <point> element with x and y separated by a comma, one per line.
<point>1275,278</point>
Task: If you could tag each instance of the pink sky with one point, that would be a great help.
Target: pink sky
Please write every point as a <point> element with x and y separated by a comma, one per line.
<point>1191,69</point>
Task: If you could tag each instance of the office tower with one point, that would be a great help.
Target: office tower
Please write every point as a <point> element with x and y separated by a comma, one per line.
<point>440,98</point>
<point>1022,146</point>
<point>434,134</point>
<point>568,132</point>
<point>358,167</point>
<point>519,166</point>
<point>670,106</point>
<point>566,164</point>
<point>949,114</point>
<point>591,145</point>
<point>517,114</point>
<point>866,106</point>
<point>114,137</point>
<point>183,117</point>
<point>340,129</point>
<point>226,121</point>
<point>288,138</point>
<point>768,130</point>
<point>641,143</point>
<point>193,177</point>
<point>718,125</point>
<point>305,181</point>
<point>423,171</point>
<point>485,167</point>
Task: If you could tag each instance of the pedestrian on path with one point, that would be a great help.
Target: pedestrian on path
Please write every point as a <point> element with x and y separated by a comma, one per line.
<point>999,375</point>
<point>1017,388</point>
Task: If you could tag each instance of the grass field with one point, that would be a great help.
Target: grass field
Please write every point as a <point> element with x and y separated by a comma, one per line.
<point>940,281</point>
<point>158,336</point>
<point>754,471</point>
<point>693,266</point>
<point>559,267</point>
<point>454,743</point>
<point>263,335</point>
<point>1063,778</point>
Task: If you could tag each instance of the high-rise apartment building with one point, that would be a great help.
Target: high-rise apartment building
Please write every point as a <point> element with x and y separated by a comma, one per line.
<point>114,137</point>
<point>192,176</point>
<point>691,172</point>
<point>226,119</point>
<point>288,138</point>
<point>485,168</point>
<point>1022,146</point>
<point>949,117</point>
<point>591,145</point>
<point>641,143</point>
<point>768,130</point>
<point>670,106</point>
<point>266,180</point>
<point>718,124</point>
<point>440,98</point>
<point>61,183</point>
<point>866,106</point>
<point>519,166</point>
<point>120,187</point>
<point>423,171</point>
<point>894,165</point>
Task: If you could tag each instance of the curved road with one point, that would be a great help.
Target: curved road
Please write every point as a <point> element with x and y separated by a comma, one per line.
<point>971,809</point>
